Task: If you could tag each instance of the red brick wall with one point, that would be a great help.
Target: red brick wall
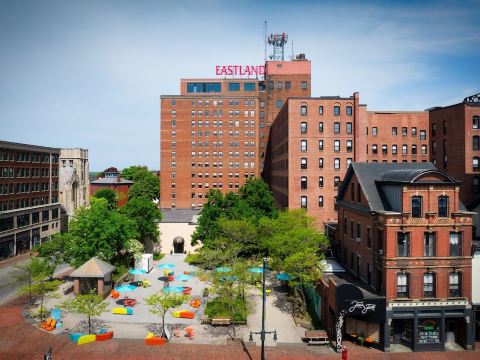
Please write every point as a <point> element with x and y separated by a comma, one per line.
<point>120,189</point>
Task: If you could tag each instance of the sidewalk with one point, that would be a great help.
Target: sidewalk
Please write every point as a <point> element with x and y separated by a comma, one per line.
<point>14,260</point>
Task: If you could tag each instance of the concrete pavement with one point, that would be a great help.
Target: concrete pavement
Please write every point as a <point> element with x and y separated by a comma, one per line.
<point>8,289</point>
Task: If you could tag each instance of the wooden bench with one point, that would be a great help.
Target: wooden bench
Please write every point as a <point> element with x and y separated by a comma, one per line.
<point>316,337</point>
<point>221,321</point>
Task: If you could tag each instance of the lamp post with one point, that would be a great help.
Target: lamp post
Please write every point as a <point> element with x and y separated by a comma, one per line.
<point>262,333</point>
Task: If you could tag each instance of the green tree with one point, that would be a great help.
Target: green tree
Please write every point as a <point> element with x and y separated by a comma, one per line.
<point>109,195</point>
<point>88,305</point>
<point>58,250</point>
<point>257,200</point>
<point>161,303</point>
<point>146,184</point>
<point>101,231</point>
<point>27,274</point>
<point>240,236</point>
<point>145,214</point>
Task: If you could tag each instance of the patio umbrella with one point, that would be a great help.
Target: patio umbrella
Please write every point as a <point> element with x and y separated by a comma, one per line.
<point>136,272</point>
<point>256,269</point>
<point>223,269</point>
<point>166,266</point>
<point>183,277</point>
<point>125,288</point>
<point>284,277</point>
<point>229,278</point>
<point>170,289</point>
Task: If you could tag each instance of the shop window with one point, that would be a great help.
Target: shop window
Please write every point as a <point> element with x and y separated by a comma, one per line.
<point>428,331</point>
<point>403,244</point>
<point>429,244</point>
<point>455,284</point>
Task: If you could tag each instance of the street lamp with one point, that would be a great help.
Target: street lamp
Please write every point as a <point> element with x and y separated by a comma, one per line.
<point>262,333</point>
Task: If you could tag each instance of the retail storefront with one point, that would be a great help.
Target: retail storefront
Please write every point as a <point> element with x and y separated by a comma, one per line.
<point>428,326</point>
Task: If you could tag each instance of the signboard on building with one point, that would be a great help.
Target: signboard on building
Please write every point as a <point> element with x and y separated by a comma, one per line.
<point>240,70</point>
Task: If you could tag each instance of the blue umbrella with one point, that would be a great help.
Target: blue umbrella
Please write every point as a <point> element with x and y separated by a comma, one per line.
<point>136,272</point>
<point>229,278</point>
<point>256,269</point>
<point>223,269</point>
<point>284,277</point>
<point>125,288</point>
<point>183,277</point>
<point>166,266</point>
<point>170,289</point>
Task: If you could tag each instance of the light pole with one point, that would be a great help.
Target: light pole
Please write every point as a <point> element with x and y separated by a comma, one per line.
<point>262,333</point>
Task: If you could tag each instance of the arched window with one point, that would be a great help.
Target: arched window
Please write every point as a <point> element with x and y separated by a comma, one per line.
<point>443,206</point>
<point>455,284</point>
<point>416,206</point>
<point>429,284</point>
<point>303,110</point>
<point>402,285</point>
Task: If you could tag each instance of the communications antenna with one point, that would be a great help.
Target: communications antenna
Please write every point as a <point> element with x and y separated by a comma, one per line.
<point>278,42</point>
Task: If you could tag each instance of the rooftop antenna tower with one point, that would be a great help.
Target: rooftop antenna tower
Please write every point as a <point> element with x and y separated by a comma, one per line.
<point>278,42</point>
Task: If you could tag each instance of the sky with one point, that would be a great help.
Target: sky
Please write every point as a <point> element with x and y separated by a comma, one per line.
<point>90,73</point>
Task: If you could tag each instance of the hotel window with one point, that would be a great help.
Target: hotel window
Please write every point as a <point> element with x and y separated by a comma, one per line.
<point>349,146</point>
<point>336,145</point>
<point>394,130</point>
<point>394,149</point>
<point>249,87</point>
<point>414,149</point>
<point>476,143</point>
<point>320,110</point>
<point>320,144</point>
<point>416,206</point>
<point>262,104</point>
<point>455,284</point>
<point>288,85</point>
<point>320,127</point>
<point>403,244</point>
<point>320,181</point>
<point>424,149</point>
<point>443,206</point>
<point>404,149</point>
<point>303,163</point>
<point>320,201</point>
<point>336,110</point>
<point>429,284</point>
<point>303,85</point>
<point>303,145</point>
<point>336,127</point>
<point>349,110</point>
<point>404,131</point>
<point>414,131</point>
<point>384,149</point>
<point>349,161</point>
<point>476,184</point>
<point>429,244</point>
<point>475,162</point>
<point>374,149</point>
<point>278,104</point>
<point>303,183</point>
<point>303,202</point>
<point>402,285</point>
<point>455,244</point>
<point>303,110</point>
<point>174,143</point>
<point>336,163</point>
<point>336,181</point>
<point>374,131</point>
<point>476,122</point>
<point>423,135</point>
<point>320,163</point>
<point>303,127</point>
<point>233,86</point>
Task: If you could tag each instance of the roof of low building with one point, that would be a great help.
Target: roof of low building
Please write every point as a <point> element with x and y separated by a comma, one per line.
<point>180,215</point>
<point>94,268</point>
<point>111,181</point>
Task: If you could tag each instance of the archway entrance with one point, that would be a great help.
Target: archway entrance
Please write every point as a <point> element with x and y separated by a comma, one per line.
<point>178,245</point>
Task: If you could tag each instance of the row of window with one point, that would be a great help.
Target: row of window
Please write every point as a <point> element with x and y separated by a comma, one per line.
<point>404,282</point>
<point>27,219</point>
<point>231,123</point>
<point>429,245</point>
<point>231,164</point>
<point>417,208</point>
<point>336,127</point>
<point>220,154</point>
<point>336,110</point>
<point>231,133</point>
<point>288,85</point>
<point>413,131</point>
<point>26,202</point>
<point>414,149</point>
<point>336,163</point>
<point>304,182</point>
<point>12,172</point>
<point>304,201</point>
<point>220,113</point>
<point>6,155</point>
<point>21,188</point>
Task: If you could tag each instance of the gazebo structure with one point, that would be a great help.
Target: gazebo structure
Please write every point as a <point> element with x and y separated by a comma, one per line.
<point>95,274</point>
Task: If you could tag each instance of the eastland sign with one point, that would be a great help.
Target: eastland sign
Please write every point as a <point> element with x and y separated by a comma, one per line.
<point>241,70</point>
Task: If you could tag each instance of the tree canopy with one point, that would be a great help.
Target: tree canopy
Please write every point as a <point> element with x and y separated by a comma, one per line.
<point>146,184</point>
<point>109,195</point>
<point>89,305</point>
<point>145,214</point>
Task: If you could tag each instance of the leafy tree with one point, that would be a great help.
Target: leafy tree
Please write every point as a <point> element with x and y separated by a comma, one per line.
<point>240,235</point>
<point>207,227</point>
<point>146,184</point>
<point>161,303</point>
<point>101,231</point>
<point>57,250</point>
<point>109,195</point>
<point>89,305</point>
<point>28,273</point>
<point>145,214</point>
<point>257,199</point>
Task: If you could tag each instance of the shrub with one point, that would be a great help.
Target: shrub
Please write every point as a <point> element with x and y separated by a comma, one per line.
<point>119,272</point>
<point>220,308</point>
<point>192,259</point>
<point>158,256</point>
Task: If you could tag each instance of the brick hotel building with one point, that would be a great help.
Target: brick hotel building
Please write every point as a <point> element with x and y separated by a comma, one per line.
<point>214,134</point>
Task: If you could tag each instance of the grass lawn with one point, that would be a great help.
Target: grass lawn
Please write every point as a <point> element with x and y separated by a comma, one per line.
<point>220,308</point>
<point>192,259</point>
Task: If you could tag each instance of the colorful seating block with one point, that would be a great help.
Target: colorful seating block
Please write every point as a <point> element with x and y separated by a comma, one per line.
<point>122,311</point>
<point>85,339</point>
<point>104,337</point>
<point>151,339</point>
<point>75,336</point>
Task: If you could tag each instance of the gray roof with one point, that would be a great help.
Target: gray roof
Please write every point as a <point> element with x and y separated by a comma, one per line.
<point>111,181</point>
<point>94,268</point>
<point>180,215</point>
<point>369,173</point>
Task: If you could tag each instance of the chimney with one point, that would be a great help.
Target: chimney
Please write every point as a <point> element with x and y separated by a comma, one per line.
<point>118,178</point>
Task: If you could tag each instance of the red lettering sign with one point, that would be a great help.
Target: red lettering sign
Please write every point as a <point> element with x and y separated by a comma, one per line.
<point>247,70</point>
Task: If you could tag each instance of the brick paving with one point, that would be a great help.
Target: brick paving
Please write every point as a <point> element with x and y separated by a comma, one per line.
<point>20,340</point>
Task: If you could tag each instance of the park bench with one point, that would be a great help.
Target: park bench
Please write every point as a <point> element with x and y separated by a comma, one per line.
<point>221,321</point>
<point>319,337</point>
